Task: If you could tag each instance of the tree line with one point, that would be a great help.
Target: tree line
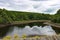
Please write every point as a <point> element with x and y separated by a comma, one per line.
<point>7,16</point>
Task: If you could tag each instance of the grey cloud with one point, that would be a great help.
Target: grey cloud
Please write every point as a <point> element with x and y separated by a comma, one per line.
<point>56,6</point>
<point>5,1</point>
<point>19,7</point>
<point>39,0</point>
<point>34,7</point>
<point>50,10</point>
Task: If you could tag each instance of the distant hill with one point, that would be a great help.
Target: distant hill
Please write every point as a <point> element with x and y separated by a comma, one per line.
<point>7,16</point>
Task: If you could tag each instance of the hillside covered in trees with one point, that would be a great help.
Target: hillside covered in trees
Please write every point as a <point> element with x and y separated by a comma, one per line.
<point>7,16</point>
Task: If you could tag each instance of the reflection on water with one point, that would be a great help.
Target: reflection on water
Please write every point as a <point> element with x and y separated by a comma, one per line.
<point>35,30</point>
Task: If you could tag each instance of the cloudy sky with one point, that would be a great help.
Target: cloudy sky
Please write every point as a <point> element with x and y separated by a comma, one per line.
<point>45,6</point>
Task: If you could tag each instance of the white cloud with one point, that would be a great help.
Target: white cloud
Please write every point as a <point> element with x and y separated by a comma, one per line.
<point>46,6</point>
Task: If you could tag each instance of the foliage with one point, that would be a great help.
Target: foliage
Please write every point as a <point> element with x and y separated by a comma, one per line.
<point>24,36</point>
<point>7,16</point>
<point>16,37</point>
<point>56,18</point>
<point>7,38</point>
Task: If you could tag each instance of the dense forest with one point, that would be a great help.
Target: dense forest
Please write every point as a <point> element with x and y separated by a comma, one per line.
<point>7,16</point>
